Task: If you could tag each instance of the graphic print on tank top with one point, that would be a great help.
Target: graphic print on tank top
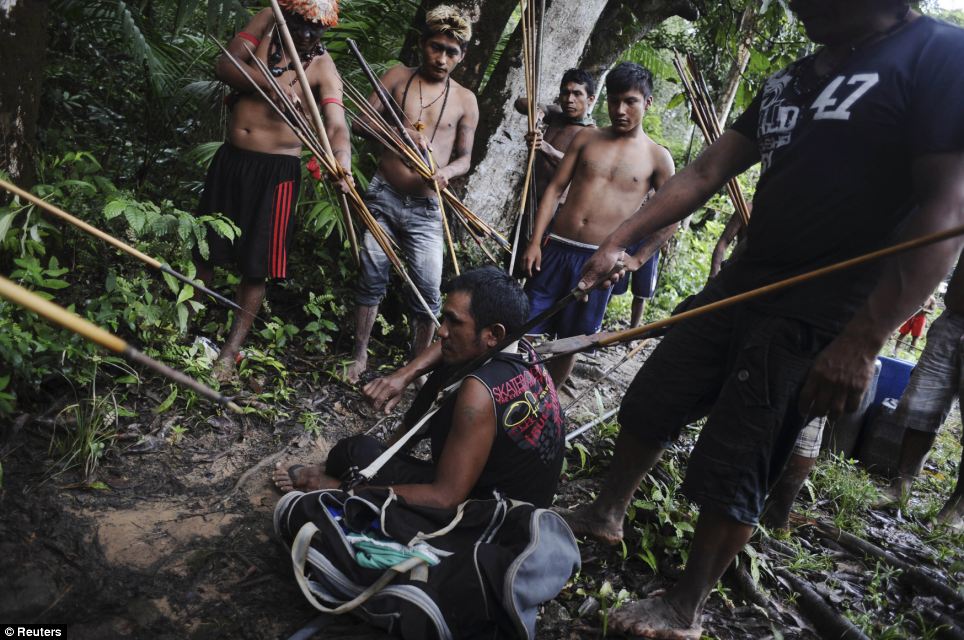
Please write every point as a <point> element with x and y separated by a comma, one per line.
<point>528,412</point>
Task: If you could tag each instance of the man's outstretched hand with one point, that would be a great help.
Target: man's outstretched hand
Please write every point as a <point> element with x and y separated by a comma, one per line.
<point>838,378</point>
<point>385,393</point>
<point>606,260</point>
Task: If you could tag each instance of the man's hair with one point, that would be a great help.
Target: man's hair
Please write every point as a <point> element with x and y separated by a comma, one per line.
<point>495,298</point>
<point>627,76</point>
<point>579,76</point>
<point>448,21</point>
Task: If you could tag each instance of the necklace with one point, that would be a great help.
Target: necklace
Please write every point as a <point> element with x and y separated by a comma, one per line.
<point>419,125</point>
<point>277,54</point>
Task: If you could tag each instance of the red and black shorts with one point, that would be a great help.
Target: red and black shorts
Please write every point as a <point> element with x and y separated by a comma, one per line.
<point>258,191</point>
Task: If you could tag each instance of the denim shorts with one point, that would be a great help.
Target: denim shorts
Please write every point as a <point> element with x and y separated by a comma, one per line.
<point>742,368</point>
<point>938,377</point>
<point>415,225</point>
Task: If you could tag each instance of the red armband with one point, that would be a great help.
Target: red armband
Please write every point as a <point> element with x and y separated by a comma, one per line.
<point>332,101</point>
<point>250,38</point>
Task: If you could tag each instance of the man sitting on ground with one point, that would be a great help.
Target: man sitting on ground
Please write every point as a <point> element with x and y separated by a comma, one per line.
<point>503,430</point>
<point>609,173</point>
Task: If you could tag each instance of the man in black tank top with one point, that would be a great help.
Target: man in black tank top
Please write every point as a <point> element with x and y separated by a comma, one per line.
<point>502,431</point>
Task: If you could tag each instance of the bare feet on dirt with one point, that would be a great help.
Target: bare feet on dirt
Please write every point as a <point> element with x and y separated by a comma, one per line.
<point>585,521</point>
<point>355,370</point>
<point>890,496</point>
<point>654,618</point>
<point>952,515</point>
<point>299,477</point>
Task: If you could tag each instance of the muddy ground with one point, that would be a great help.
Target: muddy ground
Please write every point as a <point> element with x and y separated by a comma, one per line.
<point>178,541</point>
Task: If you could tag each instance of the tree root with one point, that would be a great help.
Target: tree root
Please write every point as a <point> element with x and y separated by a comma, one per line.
<point>825,619</point>
<point>909,575</point>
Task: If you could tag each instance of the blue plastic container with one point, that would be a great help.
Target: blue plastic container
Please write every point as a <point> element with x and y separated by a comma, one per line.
<point>894,376</point>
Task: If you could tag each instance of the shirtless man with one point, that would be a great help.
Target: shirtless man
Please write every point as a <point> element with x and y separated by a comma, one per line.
<point>564,120</point>
<point>255,176</point>
<point>608,172</point>
<point>445,115</point>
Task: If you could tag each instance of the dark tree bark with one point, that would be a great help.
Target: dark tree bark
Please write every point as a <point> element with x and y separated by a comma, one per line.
<point>23,42</point>
<point>489,18</point>
<point>623,24</point>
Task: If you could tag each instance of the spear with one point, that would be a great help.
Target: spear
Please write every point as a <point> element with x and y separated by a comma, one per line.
<point>293,118</point>
<point>592,385</point>
<point>316,119</point>
<point>123,246</point>
<point>402,142</point>
<point>60,316</point>
<point>695,89</point>
<point>530,73</point>
<point>576,344</point>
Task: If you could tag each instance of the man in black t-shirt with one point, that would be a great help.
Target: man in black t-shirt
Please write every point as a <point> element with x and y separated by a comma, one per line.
<point>862,144</point>
<point>502,430</point>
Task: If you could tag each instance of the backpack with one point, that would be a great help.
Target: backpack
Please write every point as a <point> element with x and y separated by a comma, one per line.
<point>480,570</point>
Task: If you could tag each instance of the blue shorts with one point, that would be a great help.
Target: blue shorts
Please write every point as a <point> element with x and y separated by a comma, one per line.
<point>644,278</point>
<point>562,264</point>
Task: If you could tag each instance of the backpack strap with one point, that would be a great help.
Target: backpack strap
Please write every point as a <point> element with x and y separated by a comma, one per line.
<point>299,557</point>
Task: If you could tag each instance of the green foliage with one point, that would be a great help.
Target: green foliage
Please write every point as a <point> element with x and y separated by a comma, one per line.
<point>847,488</point>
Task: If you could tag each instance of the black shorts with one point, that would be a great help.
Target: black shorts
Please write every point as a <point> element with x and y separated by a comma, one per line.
<point>742,368</point>
<point>351,455</point>
<point>258,191</point>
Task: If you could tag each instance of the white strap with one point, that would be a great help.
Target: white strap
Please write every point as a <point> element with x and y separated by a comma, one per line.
<point>299,557</point>
<point>369,472</point>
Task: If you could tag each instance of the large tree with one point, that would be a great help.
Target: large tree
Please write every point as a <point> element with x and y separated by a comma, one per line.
<point>23,43</point>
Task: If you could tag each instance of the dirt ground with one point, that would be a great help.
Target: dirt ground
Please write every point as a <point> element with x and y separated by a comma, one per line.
<point>179,541</point>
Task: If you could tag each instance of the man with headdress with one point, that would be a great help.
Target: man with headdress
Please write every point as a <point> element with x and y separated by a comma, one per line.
<point>441,115</point>
<point>255,176</point>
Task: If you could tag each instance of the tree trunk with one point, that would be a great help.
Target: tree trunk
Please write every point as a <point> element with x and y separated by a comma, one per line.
<point>500,150</point>
<point>738,65</point>
<point>623,24</point>
<point>489,18</point>
<point>23,43</point>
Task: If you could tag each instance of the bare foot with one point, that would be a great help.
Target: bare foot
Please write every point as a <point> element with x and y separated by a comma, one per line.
<point>224,370</point>
<point>354,371</point>
<point>298,477</point>
<point>890,497</point>
<point>585,521</point>
<point>952,515</point>
<point>654,618</point>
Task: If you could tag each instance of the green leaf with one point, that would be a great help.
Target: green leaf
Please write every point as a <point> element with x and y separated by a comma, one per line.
<point>675,101</point>
<point>6,220</point>
<point>187,292</point>
<point>100,486</point>
<point>114,208</point>
<point>164,406</point>
<point>136,218</point>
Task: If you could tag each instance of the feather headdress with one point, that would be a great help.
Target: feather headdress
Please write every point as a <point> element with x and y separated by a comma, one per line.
<point>321,11</point>
<point>449,21</point>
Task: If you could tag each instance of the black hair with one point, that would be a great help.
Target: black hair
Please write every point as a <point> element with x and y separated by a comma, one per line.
<point>495,298</point>
<point>627,76</point>
<point>579,76</point>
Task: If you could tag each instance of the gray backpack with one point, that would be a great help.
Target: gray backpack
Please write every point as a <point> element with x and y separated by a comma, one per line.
<point>478,571</point>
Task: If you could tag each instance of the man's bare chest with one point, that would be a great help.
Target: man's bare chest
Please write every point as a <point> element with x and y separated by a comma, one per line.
<point>628,170</point>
